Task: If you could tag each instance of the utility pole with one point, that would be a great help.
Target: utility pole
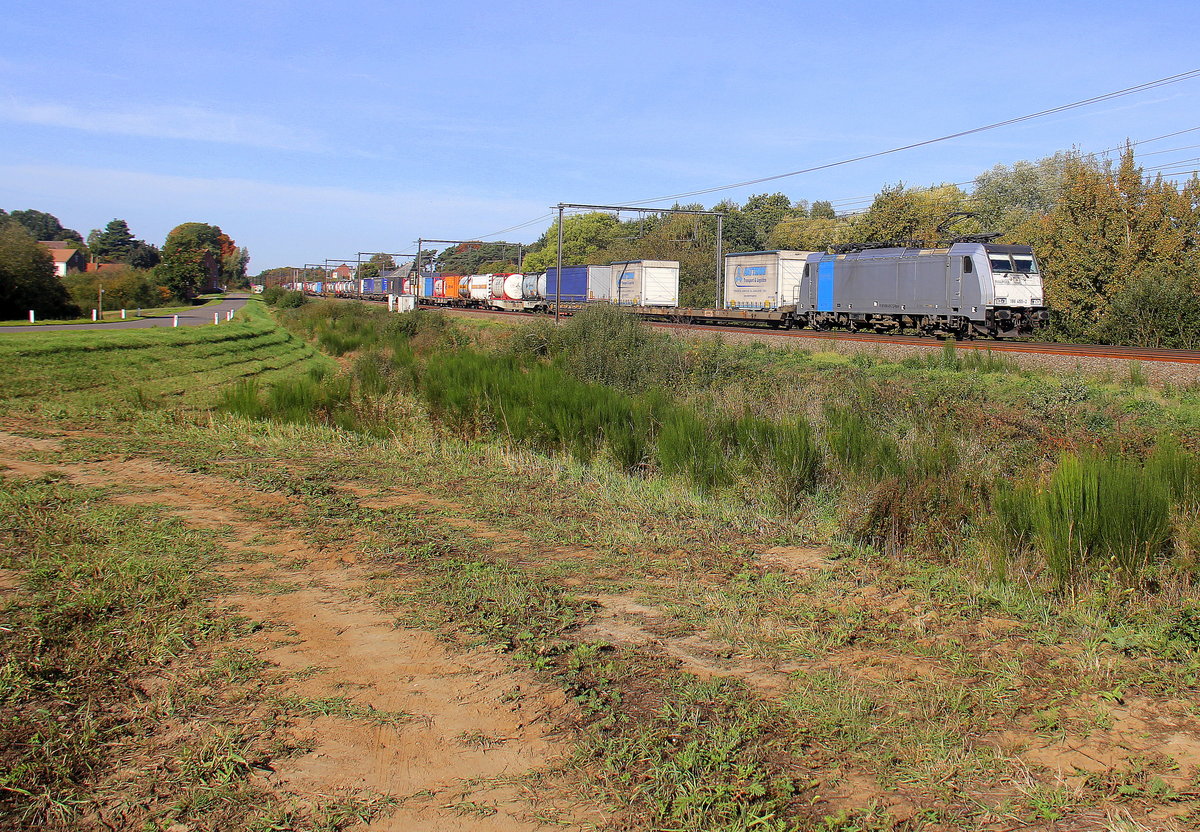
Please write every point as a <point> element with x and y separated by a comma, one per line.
<point>558,272</point>
<point>720,261</point>
<point>642,212</point>
<point>416,282</point>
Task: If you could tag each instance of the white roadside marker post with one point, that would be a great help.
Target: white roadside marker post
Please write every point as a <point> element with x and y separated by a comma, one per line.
<point>93,316</point>
<point>216,318</point>
<point>122,314</point>
<point>174,320</point>
<point>31,320</point>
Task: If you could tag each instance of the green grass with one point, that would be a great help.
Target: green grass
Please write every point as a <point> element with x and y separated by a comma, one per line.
<point>104,593</point>
<point>131,314</point>
<point>100,372</point>
<point>903,681</point>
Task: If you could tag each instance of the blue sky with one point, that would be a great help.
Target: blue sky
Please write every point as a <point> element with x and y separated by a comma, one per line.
<point>315,130</point>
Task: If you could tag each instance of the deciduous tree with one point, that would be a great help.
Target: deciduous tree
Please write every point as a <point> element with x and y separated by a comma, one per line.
<point>43,226</point>
<point>27,278</point>
<point>184,255</point>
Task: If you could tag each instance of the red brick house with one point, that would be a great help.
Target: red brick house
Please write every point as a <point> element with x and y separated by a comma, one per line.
<point>212,273</point>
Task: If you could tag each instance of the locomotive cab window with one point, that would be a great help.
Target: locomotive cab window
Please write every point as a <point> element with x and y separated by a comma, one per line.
<point>1024,264</point>
<point>968,267</point>
<point>1000,263</point>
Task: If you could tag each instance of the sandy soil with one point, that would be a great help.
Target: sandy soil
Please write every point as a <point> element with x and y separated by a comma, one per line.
<point>465,741</point>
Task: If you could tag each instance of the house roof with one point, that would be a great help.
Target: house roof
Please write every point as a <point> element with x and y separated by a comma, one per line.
<point>62,255</point>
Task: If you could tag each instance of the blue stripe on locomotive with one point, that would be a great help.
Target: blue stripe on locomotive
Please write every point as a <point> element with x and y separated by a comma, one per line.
<point>825,285</point>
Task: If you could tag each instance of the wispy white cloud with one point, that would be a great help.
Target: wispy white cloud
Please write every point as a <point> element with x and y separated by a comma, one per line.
<point>165,121</point>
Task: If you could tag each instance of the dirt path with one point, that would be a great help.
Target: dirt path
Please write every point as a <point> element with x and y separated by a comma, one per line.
<point>459,738</point>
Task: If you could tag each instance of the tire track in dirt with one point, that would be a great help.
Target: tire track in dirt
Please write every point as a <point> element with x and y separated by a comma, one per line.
<point>461,740</point>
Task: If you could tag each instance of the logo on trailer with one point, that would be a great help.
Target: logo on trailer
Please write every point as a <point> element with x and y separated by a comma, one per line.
<point>749,277</point>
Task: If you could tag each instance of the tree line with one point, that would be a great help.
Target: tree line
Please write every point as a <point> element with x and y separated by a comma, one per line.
<point>1119,248</point>
<point>148,277</point>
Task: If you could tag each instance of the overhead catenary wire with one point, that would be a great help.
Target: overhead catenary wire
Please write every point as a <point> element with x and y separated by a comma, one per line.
<point>847,201</point>
<point>1096,99</point>
<point>1149,85</point>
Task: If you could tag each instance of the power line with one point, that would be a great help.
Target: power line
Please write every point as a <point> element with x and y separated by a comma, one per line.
<point>515,227</point>
<point>852,200</point>
<point>1149,85</point>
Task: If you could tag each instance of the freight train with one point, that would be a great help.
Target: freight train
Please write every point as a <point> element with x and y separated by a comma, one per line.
<point>965,290</point>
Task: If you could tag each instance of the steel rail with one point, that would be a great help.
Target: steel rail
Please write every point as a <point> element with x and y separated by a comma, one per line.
<point>1028,347</point>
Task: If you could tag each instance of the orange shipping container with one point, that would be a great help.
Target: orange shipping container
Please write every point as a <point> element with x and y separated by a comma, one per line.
<point>451,288</point>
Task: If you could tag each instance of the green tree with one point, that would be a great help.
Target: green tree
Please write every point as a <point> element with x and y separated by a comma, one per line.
<point>909,214</point>
<point>1005,198</point>
<point>27,278</point>
<point>113,244</point>
<point>584,237</point>
<point>378,263</point>
<point>822,210</point>
<point>143,255</point>
<point>474,257</point>
<point>188,250</point>
<point>233,265</point>
<point>810,233</point>
<point>1153,310</point>
<point>43,226</point>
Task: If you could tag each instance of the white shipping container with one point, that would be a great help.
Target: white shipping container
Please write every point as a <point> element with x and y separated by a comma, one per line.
<point>512,286</point>
<point>600,282</point>
<point>479,287</point>
<point>646,283</point>
<point>529,289</point>
<point>763,279</point>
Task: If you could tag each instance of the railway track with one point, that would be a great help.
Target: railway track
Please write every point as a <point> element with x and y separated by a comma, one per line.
<point>1027,347</point>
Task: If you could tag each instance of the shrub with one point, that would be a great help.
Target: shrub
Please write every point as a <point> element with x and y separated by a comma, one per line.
<point>607,345</point>
<point>291,299</point>
<point>1096,511</point>
<point>1153,310</point>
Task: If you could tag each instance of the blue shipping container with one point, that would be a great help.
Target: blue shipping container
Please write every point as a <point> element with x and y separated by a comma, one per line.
<point>385,285</point>
<point>368,286</point>
<point>427,287</point>
<point>574,284</point>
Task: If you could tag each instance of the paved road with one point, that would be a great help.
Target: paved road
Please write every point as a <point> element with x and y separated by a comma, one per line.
<point>193,317</point>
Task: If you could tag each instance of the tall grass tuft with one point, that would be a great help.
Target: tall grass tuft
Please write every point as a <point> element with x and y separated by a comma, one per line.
<point>1095,512</point>
<point>1176,470</point>
<point>858,445</point>
<point>970,360</point>
<point>243,399</point>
